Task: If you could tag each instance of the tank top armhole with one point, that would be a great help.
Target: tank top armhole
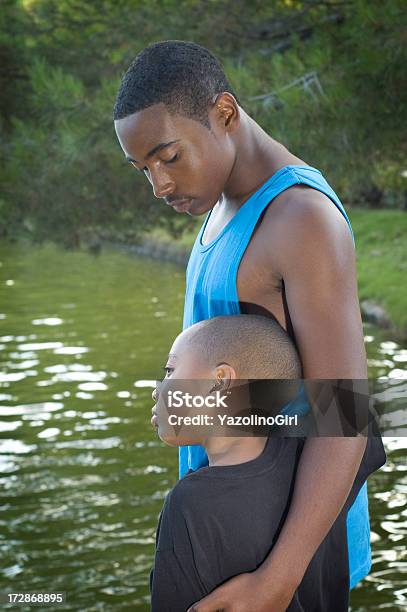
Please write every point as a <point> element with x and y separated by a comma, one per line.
<point>288,322</point>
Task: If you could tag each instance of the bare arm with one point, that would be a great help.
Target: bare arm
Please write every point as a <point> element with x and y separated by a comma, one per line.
<point>313,249</point>
<point>319,271</point>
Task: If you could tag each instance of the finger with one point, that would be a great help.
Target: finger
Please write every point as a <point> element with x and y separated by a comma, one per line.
<point>198,607</point>
<point>206,605</point>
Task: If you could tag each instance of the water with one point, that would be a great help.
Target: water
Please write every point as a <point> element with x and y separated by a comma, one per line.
<point>82,474</point>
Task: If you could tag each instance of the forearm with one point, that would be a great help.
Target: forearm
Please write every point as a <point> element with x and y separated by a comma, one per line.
<point>325,475</point>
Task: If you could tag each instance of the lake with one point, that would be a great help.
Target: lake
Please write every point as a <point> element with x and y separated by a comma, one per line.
<point>83,475</point>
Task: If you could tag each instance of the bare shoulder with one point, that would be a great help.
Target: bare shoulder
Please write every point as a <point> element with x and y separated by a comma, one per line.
<point>301,220</point>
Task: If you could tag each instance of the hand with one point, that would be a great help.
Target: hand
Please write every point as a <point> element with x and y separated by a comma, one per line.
<point>247,593</point>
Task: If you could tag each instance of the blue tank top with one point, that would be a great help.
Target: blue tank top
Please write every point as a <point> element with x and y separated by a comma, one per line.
<point>211,291</point>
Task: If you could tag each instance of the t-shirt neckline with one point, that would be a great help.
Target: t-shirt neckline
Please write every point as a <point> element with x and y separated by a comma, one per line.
<point>266,460</point>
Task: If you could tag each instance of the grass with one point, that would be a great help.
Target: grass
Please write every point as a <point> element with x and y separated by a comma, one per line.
<point>381,250</point>
<point>186,240</point>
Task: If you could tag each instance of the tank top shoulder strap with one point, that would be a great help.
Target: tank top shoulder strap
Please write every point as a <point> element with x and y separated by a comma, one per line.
<point>282,180</point>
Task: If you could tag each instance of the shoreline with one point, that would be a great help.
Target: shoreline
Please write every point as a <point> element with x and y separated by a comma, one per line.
<point>168,252</point>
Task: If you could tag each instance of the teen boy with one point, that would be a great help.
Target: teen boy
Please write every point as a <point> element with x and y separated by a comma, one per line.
<point>223,520</point>
<point>275,238</point>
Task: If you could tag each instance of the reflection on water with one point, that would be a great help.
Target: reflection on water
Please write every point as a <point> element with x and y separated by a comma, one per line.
<point>82,475</point>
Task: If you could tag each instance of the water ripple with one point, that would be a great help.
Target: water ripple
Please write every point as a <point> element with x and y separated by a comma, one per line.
<point>83,475</point>
<point>51,321</point>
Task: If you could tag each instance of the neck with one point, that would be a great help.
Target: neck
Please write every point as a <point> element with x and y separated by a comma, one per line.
<point>232,451</point>
<point>258,156</point>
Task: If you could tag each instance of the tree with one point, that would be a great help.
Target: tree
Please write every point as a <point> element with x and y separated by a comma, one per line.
<point>324,77</point>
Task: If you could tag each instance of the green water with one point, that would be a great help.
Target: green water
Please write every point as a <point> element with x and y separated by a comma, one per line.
<point>82,474</point>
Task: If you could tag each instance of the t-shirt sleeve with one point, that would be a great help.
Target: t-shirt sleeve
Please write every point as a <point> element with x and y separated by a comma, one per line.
<point>175,582</point>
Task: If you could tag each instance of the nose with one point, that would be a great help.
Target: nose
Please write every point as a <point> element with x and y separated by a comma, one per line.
<point>154,395</point>
<point>163,186</point>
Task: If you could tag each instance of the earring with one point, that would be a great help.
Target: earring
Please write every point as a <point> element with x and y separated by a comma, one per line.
<point>217,386</point>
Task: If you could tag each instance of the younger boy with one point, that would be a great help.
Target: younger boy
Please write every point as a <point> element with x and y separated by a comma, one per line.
<point>222,520</point>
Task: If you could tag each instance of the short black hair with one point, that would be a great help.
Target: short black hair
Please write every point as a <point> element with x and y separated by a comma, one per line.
<point>181,74</point>
<point>258,347</point>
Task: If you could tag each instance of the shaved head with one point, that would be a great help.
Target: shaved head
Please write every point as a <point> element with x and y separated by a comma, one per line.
<point>257,347</point>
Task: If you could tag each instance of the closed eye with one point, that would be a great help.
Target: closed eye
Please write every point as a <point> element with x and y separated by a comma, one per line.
<point>172,160</point>
<point>166,161</point>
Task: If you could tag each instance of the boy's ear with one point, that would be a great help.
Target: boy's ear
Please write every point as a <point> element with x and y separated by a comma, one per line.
<point>224,374</point>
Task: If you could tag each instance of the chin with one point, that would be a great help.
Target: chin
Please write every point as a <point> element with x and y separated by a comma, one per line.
<point>200,209</point>
<point>169,441</point>
<point>168,436</point>
<point>172,440</point>
<point>195,210</point>
<point>178,440</point>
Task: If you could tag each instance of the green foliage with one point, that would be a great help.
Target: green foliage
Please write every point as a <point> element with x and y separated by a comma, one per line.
<point>65,177</point>
<point>334,71</point>
<point>381,251</point>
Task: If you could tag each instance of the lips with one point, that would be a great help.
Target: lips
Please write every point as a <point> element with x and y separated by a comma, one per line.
<point>154,418</point>
<point>180,205</point>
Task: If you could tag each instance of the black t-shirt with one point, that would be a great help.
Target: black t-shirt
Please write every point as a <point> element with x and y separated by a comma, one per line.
<point>221,521</point>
